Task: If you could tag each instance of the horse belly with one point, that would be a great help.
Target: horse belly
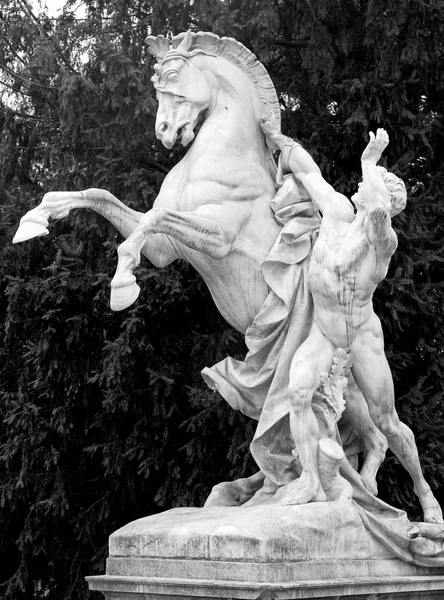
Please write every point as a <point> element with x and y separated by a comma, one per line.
<point>236,285</point>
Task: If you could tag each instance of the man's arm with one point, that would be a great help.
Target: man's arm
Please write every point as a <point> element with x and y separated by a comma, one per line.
<point>374,192</point>
<point>376,197</point>
<point>298,161</point>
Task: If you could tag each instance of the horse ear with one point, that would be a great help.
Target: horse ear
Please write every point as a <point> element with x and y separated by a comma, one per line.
<point>157,46</point>
<point>186,42</point>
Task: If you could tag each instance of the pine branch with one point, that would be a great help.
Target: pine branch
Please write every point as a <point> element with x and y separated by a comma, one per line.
<point>28,10</point>
<point>11,49</point>
<point>292,44</point>
<point>156,165</point>
<point>14,89</point>
<point>20,114</point>
<point>28,81</point>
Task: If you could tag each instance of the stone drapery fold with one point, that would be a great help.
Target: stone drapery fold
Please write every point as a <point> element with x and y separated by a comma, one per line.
<point>257,386</point>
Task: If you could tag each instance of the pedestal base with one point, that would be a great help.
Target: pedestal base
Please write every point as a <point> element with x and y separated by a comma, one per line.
<point>260,553</point>
<point>145,588</point>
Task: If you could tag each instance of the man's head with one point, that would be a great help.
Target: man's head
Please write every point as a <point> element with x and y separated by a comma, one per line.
<point>396,189</point>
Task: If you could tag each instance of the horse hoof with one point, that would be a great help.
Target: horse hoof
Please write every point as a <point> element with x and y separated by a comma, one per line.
<point>123,296</point>
<point>28,230</point>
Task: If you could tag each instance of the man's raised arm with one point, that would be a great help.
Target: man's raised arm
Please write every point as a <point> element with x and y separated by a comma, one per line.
<point>299,162</point>
<point>374,191</point>
<point>375,197</point>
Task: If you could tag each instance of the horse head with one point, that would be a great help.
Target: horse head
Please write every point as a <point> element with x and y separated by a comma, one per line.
<point>186,89</point>
<point>182,91</point>
<point>183,94</point>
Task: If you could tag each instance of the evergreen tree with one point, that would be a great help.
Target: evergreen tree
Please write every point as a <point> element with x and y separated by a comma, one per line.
<point>104,417</point>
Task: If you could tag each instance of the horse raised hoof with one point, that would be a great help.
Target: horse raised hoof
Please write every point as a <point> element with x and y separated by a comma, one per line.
<point>123,294</point>
<point>28,230</point>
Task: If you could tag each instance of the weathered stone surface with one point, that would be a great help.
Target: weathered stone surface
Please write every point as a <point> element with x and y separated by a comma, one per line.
<point>259,552</point>
<point>256,534</point>
<point>376,588</point>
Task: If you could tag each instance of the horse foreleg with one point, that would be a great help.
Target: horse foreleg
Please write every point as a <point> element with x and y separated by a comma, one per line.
<point>201,230</point>
<point>124,289</point>
<point>56,205</point>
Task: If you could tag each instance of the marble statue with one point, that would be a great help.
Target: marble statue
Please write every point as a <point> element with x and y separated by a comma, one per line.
<point>291,264</point>
<point>213,210</point>
<point>350,257</point>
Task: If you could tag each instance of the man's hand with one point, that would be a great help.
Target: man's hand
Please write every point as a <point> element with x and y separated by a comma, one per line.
<point>375,147</point>
<point>270,126</point>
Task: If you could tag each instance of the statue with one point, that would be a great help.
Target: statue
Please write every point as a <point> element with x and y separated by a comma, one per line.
<point>213,210</point>
<point>350,257</point>
<point>261,252</point>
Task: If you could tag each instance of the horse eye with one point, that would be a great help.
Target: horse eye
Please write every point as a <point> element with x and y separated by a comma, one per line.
<point>172,77</point>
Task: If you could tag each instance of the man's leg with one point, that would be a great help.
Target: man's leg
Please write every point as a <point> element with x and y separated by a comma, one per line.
<point>375,444</point>
<point>313,356</point>
<point>373,376</point>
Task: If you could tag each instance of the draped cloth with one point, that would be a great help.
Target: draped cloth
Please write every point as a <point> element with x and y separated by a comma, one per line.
<point>258,385</point>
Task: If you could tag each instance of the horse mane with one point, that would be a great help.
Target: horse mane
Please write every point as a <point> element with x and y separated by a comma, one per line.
<point>189,44</point>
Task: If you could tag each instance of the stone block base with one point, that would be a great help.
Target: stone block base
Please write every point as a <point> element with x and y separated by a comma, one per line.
<point>316,551</point>
<point>375,588</point>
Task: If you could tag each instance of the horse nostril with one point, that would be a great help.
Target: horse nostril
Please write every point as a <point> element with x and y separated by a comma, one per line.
<point>163,127</point>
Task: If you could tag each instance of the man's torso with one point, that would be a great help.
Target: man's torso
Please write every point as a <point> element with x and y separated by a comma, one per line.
<point>343,275</point>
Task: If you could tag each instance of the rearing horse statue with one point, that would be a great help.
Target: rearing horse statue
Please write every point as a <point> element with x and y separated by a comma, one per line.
<point>213,209</point>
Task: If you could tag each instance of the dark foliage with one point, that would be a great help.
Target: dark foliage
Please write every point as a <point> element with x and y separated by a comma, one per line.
<point>104,417</point>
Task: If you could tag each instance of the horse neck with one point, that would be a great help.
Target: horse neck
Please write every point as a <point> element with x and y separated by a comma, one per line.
<point>236,108</point>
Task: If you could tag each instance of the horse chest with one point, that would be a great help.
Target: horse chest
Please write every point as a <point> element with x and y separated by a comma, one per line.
<point>186,188</point>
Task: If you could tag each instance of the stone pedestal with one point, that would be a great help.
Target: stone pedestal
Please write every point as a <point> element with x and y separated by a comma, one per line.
<point>262,553</point>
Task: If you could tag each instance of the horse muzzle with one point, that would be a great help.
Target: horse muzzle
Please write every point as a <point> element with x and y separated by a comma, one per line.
<point>169,135</point>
